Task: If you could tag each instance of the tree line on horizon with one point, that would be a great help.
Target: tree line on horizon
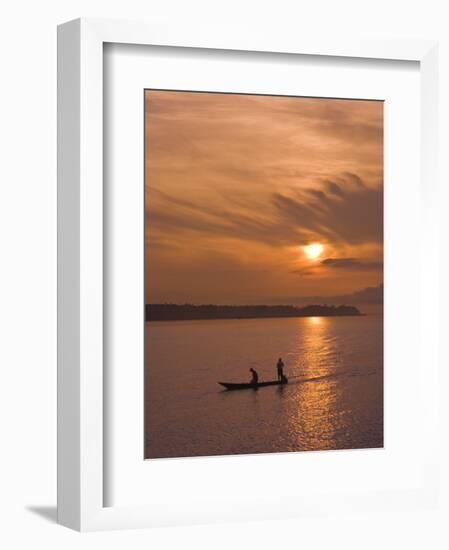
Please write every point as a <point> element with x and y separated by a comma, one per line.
<point>179,312</point>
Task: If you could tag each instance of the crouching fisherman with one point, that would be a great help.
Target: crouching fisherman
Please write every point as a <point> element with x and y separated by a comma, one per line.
<point>255,376</point>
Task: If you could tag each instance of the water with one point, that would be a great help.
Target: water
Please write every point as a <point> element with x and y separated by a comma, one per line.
<point>334,399</point>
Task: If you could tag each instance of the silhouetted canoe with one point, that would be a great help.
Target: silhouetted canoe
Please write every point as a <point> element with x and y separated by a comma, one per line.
<point>249,386</point>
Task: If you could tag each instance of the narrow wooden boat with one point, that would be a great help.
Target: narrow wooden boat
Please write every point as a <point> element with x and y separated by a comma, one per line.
<point>249,386</point>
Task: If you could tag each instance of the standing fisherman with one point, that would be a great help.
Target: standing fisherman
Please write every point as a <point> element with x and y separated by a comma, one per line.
<point>280,368</point>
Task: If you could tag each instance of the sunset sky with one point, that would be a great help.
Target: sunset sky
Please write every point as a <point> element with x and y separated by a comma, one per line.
<point>237,187</point>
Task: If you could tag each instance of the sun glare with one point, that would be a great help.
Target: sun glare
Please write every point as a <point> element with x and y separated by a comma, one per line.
<point>314,250</point>
<point>315,320</point>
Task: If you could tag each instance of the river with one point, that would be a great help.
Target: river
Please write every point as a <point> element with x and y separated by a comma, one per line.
<point>334,399</point>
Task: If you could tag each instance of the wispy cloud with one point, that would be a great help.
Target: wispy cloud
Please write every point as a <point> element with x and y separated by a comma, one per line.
<point>351,263</point>
<point>369,295</point>
<point>352,216</point>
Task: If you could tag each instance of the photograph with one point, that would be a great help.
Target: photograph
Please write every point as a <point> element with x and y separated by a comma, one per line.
<point>263,310</point>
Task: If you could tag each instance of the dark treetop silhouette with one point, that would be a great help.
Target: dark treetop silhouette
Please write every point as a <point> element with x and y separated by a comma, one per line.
<point>178,312</point>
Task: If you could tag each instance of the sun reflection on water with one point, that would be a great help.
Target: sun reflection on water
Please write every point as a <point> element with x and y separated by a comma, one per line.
<point>315,320</point>
<point>311,414</point>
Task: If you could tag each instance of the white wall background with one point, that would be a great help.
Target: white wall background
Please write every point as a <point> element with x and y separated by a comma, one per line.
<point>28,270</point>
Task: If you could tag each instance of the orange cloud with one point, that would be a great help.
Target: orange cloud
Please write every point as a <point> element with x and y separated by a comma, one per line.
<point>236,184</point>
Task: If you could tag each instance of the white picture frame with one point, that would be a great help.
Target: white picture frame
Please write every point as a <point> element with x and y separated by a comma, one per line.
<point>81,409</point>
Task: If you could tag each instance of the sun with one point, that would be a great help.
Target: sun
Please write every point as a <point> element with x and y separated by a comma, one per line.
<point>314,250</point>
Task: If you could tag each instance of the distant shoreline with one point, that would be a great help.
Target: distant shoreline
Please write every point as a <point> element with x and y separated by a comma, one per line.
<point>189,312</point>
